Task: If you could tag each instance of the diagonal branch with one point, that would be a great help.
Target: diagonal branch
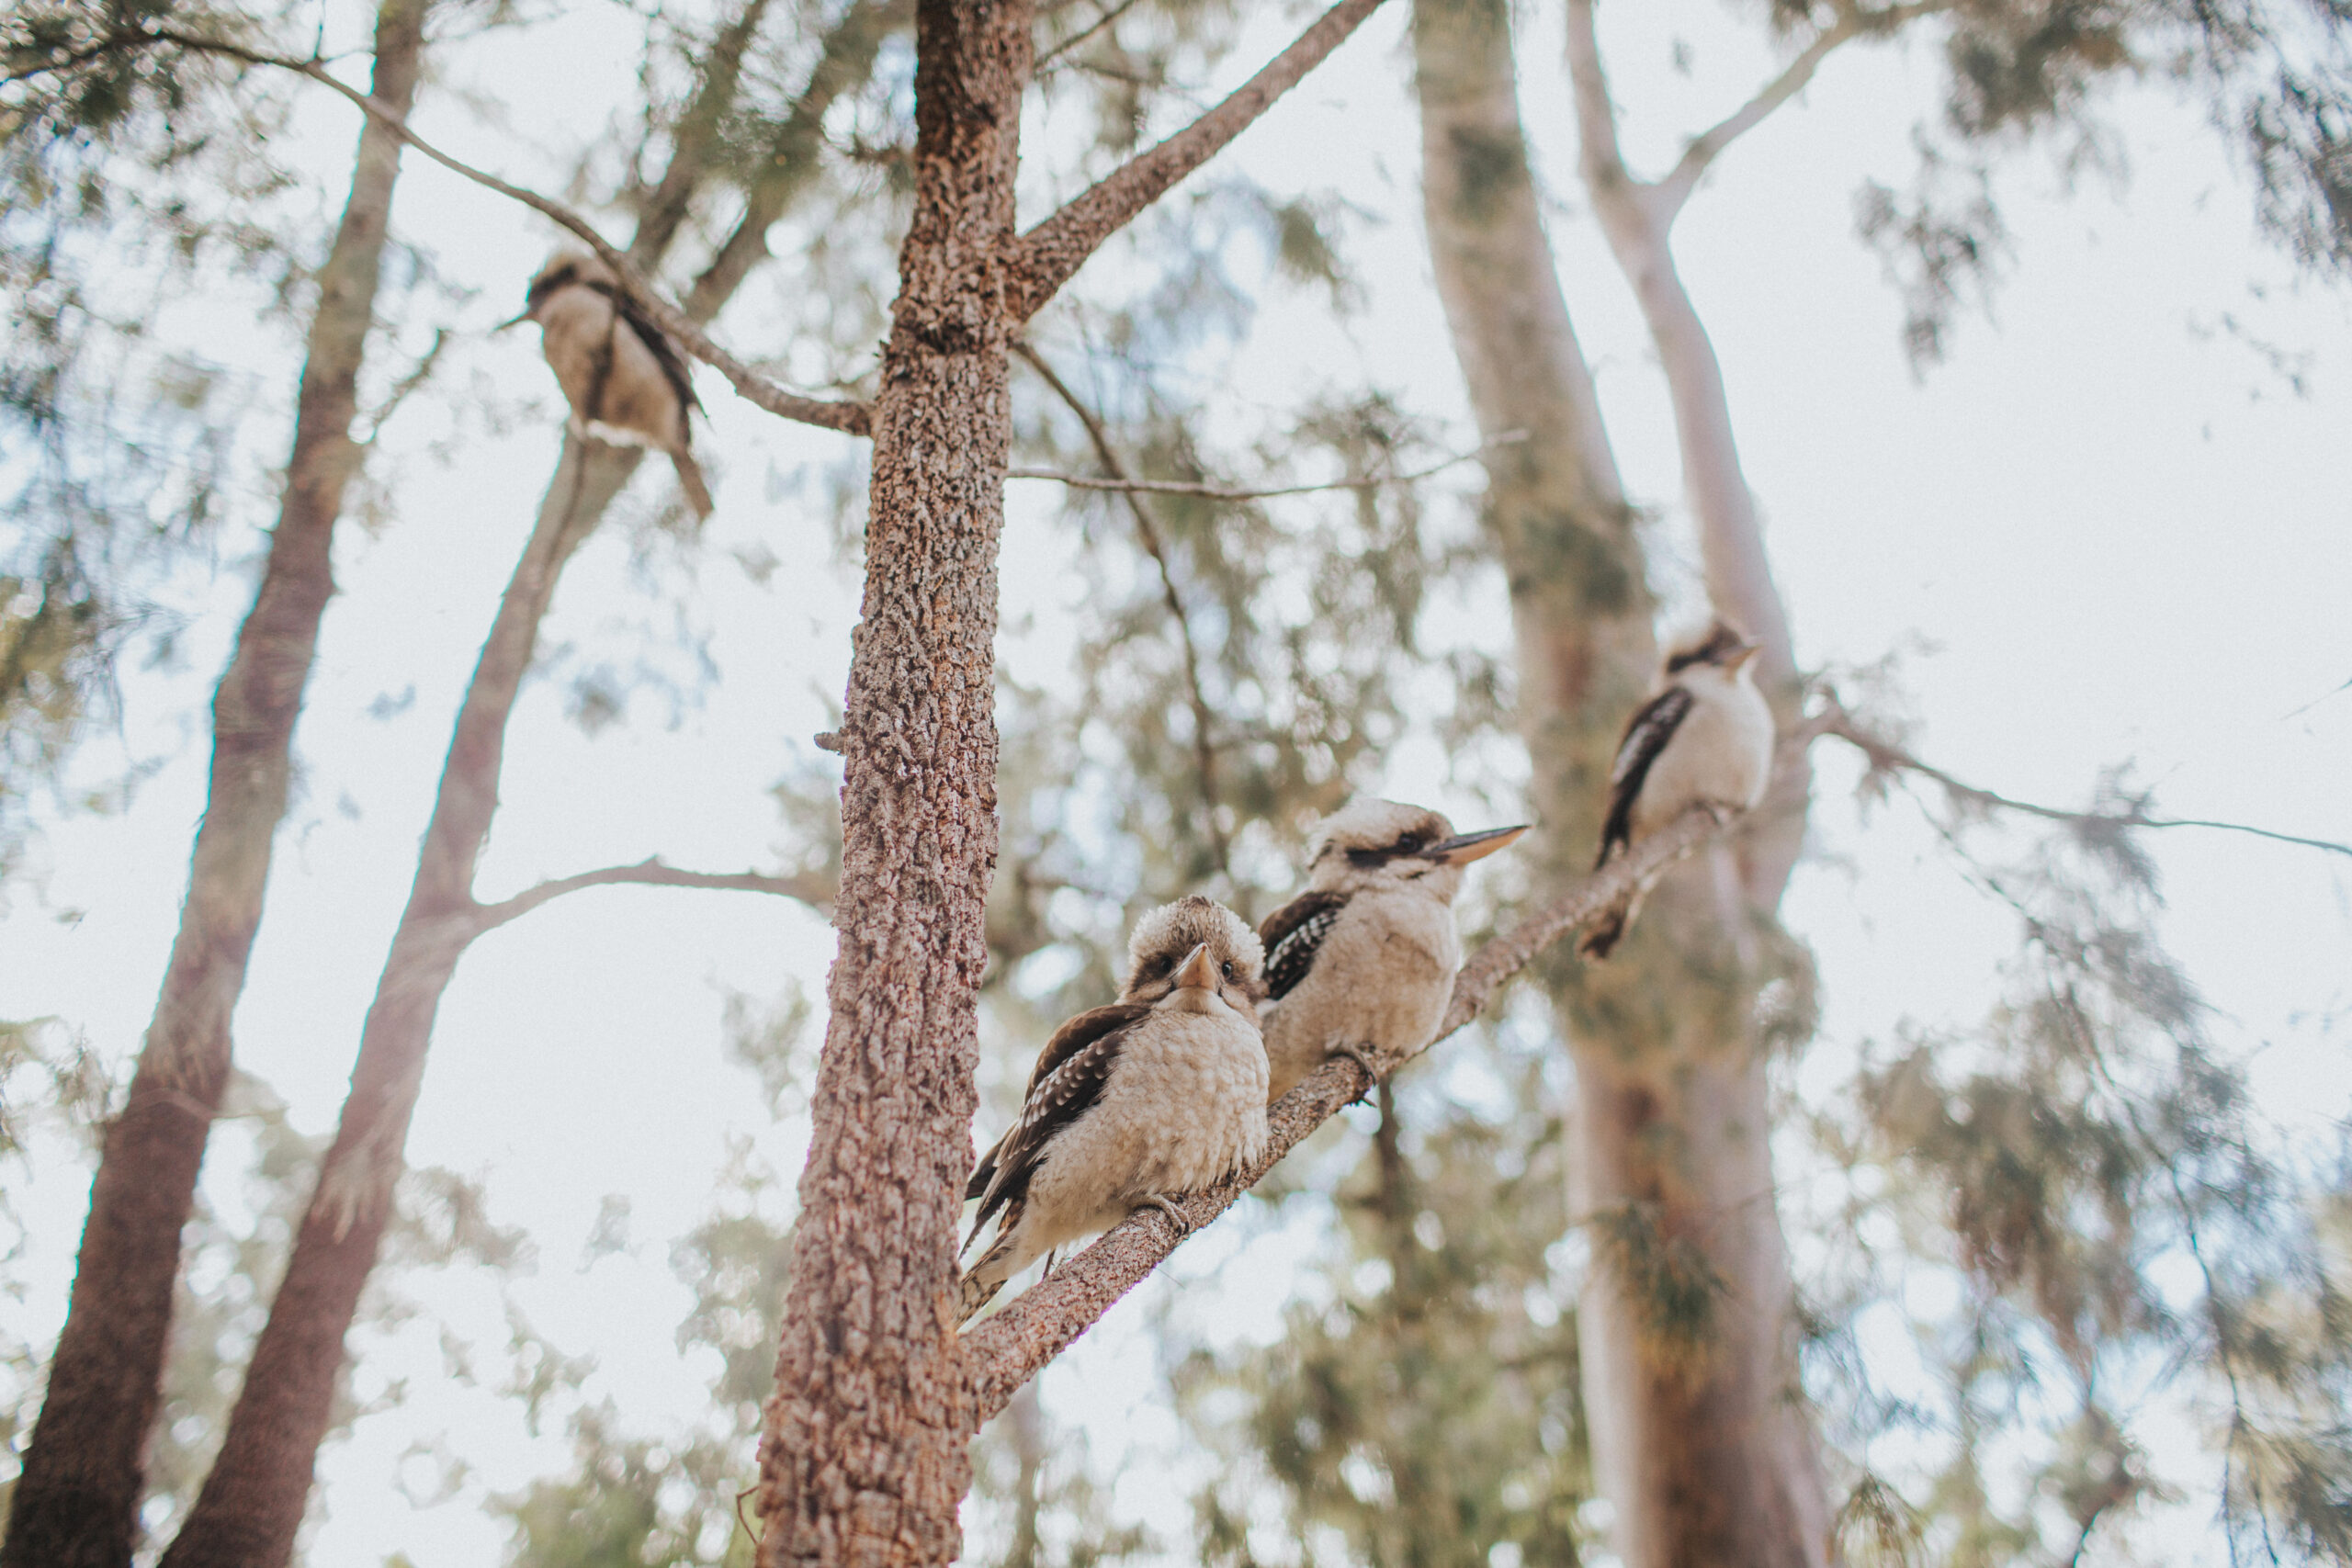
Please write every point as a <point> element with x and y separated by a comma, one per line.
<point>1885,757</point>
<point>1665,197</point>
<point>1226,492</point>
<point>1005,1350</point>
<point>1670,193</point>
<point>1045,258</point>
<point>1599,155</point>
<point>1147,531</point>
<point>851,417</point>
<point>817,892</point>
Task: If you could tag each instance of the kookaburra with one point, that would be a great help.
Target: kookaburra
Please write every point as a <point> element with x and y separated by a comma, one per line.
<point>1705,738</point>
<point>1159,1094</point>
<point>624,378</point>
<point>1363,960</point>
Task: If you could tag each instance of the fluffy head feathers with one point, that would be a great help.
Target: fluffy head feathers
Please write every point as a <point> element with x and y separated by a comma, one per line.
<point>1166,936</point>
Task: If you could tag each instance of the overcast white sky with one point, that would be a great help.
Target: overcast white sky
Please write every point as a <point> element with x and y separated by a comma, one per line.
<point>2107,529</point>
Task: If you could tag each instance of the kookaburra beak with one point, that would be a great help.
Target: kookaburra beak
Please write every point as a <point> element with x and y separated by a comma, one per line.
<point>1199,973</point>
<point>1463,847</point>
<point>1746,653</point>
<point>515,323</point>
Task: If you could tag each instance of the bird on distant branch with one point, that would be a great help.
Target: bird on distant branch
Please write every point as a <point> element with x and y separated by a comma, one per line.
<point>1363,962</point>
<point>1133,1104</point>
<point>626,380</point>
<point>1704,740</point>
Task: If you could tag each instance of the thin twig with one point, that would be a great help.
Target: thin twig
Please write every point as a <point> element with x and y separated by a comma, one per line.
<point>1228,493</point>
<point>1147,531</point>
<point>815,892</point>
<point>1105,20</point>
<point>1887,757</point>
<point>854,418</point>
<point>417,376</point>
<point>1045,258</point>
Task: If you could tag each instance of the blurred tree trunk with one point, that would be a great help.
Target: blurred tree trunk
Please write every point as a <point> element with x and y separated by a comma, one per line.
<point>76,1503</point>
<point>864,1459</point>
<point>252,1503</point>
<point>1700,1440</point>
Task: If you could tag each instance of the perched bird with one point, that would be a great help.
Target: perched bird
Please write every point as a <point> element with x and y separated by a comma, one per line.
<point>624,378</point>
<point>1159,1094</point>
<point>1705,738</point>
<point>1363,960</point>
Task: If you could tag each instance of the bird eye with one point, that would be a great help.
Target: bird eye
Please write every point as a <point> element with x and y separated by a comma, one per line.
<point>1227,968</point>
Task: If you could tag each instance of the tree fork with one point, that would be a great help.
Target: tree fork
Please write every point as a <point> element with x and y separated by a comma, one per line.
<point>76,1503</point>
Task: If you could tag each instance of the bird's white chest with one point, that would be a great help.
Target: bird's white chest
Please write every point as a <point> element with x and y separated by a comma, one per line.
<point>1721,753</point>
<point>1381,978</point>
<point>1185,1104</point>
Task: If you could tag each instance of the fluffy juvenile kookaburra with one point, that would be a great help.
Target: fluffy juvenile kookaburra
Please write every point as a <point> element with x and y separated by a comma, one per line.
<point>1705,738</point>
<point>624,378</point>
<point>1363,960</point>
<point>1130,1105</point>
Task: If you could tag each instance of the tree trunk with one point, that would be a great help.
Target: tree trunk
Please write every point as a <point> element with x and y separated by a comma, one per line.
<point>864,1460</point>
<point>252,1503</point>
<point>76,1503</point>
<point>1700,1440</point>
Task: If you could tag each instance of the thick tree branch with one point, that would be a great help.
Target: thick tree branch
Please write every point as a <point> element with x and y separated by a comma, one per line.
<point>1599,155</point>
<point>1228,493</point>
<point>1008,1348</point>
<point>1885,757</point>
<point>814,891</point>
<point>1147,531</point>
<point>1050,253</point>
<point>850,417</point>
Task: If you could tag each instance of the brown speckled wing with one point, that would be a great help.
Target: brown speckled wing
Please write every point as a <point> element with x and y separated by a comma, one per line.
<point>1067,1080</point>
<point>1292,936</point>
<point>1646,736</point>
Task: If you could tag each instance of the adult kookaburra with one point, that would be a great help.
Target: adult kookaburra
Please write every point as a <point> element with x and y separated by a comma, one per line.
<point>1705,738</point>
<point>1159,1094</point>
<point>624,378</point>
<point>1363,960</point>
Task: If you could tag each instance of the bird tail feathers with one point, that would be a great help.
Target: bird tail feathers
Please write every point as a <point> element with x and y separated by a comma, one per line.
<point>981,1282</point>
<point>690,480</point>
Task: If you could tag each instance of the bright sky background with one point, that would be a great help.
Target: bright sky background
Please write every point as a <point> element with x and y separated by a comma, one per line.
<point>2107,530</point>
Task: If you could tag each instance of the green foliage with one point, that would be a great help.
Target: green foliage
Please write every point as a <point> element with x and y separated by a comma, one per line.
<point>2131,1237</point>
<point>2274,75</point>
<point>1420,1409</point>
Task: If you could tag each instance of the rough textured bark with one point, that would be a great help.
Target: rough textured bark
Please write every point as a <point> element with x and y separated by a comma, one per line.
<point>1701,1441</point>
<point>863,1459</point>
<point>863,1455</point>
<point>76,1503</point>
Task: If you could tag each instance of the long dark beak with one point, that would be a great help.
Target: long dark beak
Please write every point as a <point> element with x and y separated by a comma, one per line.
<point>1199,973</point>
<point>1463,847</point>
